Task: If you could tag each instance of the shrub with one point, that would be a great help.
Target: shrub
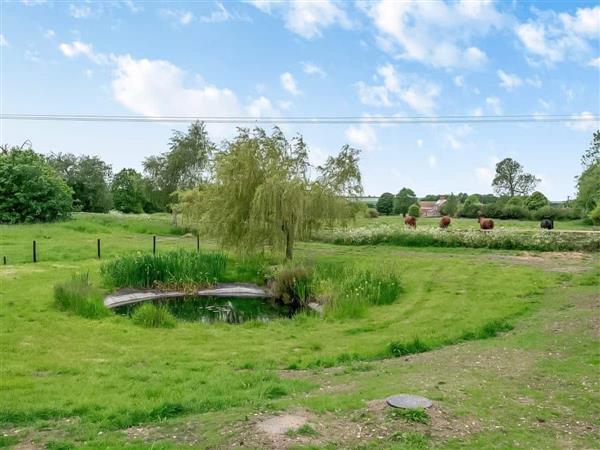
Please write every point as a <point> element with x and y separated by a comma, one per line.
<point>512,211</point>
<point>536,201</point>
<point>80,297</point>
<point>493,210</point>
<point>292,286</point>
<point>385,204</point>
<point>31,190</point>
<point>414,210</point>
<point>173,269</point>
<point>371,213</point>
<point>550,212</point>
<point>150,315</point>
<point>402,349</point>
<point>595,215</point>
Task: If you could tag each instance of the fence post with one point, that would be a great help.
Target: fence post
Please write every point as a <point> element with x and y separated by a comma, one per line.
<point>197,242</point>
<point>34,253</point>
<point>154,245</point>
<point>4,259</point>
<point>98,247</point>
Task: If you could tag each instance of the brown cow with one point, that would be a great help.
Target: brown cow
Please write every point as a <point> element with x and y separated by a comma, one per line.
<point>445,222</point>
<point>410,221</point>
<point>485,224</point>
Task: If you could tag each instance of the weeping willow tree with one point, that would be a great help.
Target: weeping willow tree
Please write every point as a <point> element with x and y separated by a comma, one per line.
<point>263,194</point>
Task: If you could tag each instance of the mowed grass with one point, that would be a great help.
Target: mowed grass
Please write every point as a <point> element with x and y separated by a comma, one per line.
<point>108,374</point>
<point>461,223</point>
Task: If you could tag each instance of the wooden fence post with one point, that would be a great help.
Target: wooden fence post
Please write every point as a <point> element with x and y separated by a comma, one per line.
<point>34,253</point>
<point>154,245</point>
<point>98,247</point>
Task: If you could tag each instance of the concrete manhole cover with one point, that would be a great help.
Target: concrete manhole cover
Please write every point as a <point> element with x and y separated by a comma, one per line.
<point>407,401</point>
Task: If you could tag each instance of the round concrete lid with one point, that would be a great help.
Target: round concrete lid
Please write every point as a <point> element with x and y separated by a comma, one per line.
<point>408,401</point>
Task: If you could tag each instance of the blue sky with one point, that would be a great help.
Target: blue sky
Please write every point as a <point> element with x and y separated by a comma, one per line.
<point>315,58</point>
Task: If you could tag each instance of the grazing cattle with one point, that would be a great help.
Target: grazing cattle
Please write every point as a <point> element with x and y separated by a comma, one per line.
<point>547,224</point>
<point>445,222</point>
<point>485,224</point>
<point>410,221</point>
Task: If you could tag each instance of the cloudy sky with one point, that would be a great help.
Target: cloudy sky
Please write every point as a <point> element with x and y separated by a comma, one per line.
<point>314,58</point>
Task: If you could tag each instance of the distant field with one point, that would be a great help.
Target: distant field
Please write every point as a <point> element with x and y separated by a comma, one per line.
<point>462,223</point>
<point>70,382</point>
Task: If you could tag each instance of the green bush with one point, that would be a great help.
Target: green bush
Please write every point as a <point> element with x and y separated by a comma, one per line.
<point>31,190</point>
<point>414,210</point>
<point>371,213</point>
<point>292,286</point>
<point>150,315</point>
<point>536,201</point>
<point>512,211</point>
<point>595,215</point>
<point>79,296</point>
<point>550,212</point>
<point>179,268</point>
<point>493,210</point>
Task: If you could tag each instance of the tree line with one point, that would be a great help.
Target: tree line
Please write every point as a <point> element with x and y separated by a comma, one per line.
<point>515,195</point>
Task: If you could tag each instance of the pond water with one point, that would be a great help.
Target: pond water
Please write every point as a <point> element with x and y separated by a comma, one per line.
<point>218,309</point>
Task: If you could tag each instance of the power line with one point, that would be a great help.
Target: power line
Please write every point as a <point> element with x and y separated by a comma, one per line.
<point>316,120</point>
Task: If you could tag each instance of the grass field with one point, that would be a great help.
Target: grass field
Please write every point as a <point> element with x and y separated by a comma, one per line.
<point>512,356</point>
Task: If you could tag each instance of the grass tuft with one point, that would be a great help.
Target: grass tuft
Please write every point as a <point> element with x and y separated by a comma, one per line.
<point>409,348</point>
<point>79,296</point>
<point>417,415</point>
<point>172,269</point>
<point>149,315</point>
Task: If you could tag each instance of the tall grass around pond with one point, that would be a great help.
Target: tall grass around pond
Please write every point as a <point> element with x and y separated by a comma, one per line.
<point>150,315</point>
<point>351,292</point>
<point>79,296</point>
<point>174,269</point>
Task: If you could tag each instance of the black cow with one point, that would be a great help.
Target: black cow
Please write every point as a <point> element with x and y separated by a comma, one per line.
<point>547,224</point>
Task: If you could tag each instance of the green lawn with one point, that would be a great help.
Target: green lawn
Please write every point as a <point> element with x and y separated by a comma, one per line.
<point>69,381</point>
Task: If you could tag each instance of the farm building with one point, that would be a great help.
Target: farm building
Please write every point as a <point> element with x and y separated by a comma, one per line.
<point>432,209</point>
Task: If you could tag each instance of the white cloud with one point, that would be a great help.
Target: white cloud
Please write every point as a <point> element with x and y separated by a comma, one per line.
<point>585,122</point>
<point>262,107</point>
<point>312,69</point>
<point>478,112</point>
<point>307,18</point>
<point>457,135</point>
<point>439,34</point>
<point>3,41</point>
<point>80,10</point>
<point>49,34</point>
<point>594,62</point>
<point>420,142</point>
<point>459,80</point>
<point>157,88</point>
<point>485,174</point>
<point>509,81</point>
<point>182,17</point>
<point>78,48</point>
<point>33,56</point>
<point>493,104</point>
<point>289,83</point>
<point>220,15</point>
<point>362,136</point>
<point>553,37</point>
<point>419,94</point>
<point>89,73</point>
<point>33,2</point>
<point>432,160</point>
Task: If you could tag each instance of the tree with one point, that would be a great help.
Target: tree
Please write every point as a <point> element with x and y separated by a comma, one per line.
<point>536,201</point>
<point>184,166</point>
<point>414,210</point>
<point>260,194</point>
<point>89,177</point>
<point>128,191</point>
<point>511,180</point>
<point>462,197</point>
<point>592,154</point>
<point>588,183</point>
<point>385,204</point>
<point>471,207</point>
<point>403,200</point>
<point>451,206</point>
<point>30,189</point>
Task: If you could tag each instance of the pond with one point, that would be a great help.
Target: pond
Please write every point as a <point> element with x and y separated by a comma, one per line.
<point>218,309</point>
